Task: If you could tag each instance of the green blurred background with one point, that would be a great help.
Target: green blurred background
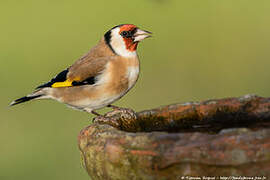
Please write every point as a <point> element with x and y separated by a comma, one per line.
<point>200,50</point>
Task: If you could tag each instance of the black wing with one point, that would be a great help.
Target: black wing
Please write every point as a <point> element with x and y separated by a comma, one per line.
<point>62,76</point>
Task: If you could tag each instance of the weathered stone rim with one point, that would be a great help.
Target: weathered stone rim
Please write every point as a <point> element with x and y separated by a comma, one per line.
<point>209,116</point>
<point>163,142</point>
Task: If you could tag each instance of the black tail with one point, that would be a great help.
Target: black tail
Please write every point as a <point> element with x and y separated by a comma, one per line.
<point>24,99</point>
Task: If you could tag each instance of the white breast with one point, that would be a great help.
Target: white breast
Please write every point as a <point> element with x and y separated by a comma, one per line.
<point>132,75</point>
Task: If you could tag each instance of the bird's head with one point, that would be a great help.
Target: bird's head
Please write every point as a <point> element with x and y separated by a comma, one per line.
<point>123,39</point>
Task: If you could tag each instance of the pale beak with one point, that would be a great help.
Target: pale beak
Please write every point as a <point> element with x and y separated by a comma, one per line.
<point>140,35</point>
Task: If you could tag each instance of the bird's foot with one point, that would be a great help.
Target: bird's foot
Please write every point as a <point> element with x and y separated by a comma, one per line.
<point>106,120</point>
<point>123,113</point>
<point>121,118</point>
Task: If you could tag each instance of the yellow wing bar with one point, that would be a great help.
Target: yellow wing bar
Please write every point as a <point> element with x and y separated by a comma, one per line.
<point>62,84</point>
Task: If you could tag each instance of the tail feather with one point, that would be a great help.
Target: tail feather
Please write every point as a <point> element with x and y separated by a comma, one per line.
<point>24,99</point>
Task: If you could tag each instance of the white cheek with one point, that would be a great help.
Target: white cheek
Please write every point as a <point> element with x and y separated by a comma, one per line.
<point>119,45</point>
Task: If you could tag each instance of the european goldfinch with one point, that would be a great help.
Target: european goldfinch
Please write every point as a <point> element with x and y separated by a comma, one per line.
<point>99,78</point>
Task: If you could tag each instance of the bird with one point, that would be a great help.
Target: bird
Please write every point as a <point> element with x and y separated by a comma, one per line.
<point>100,77</point>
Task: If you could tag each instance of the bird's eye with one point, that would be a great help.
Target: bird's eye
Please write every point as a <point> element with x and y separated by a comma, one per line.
<point>124,33</point>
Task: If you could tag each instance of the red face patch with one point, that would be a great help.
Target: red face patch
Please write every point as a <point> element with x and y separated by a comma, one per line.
<point>130,45</point>
<point>127,27</point>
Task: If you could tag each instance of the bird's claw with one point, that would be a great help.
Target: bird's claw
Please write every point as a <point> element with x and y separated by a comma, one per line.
<point>118,118</point>
<point>106,120</point>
